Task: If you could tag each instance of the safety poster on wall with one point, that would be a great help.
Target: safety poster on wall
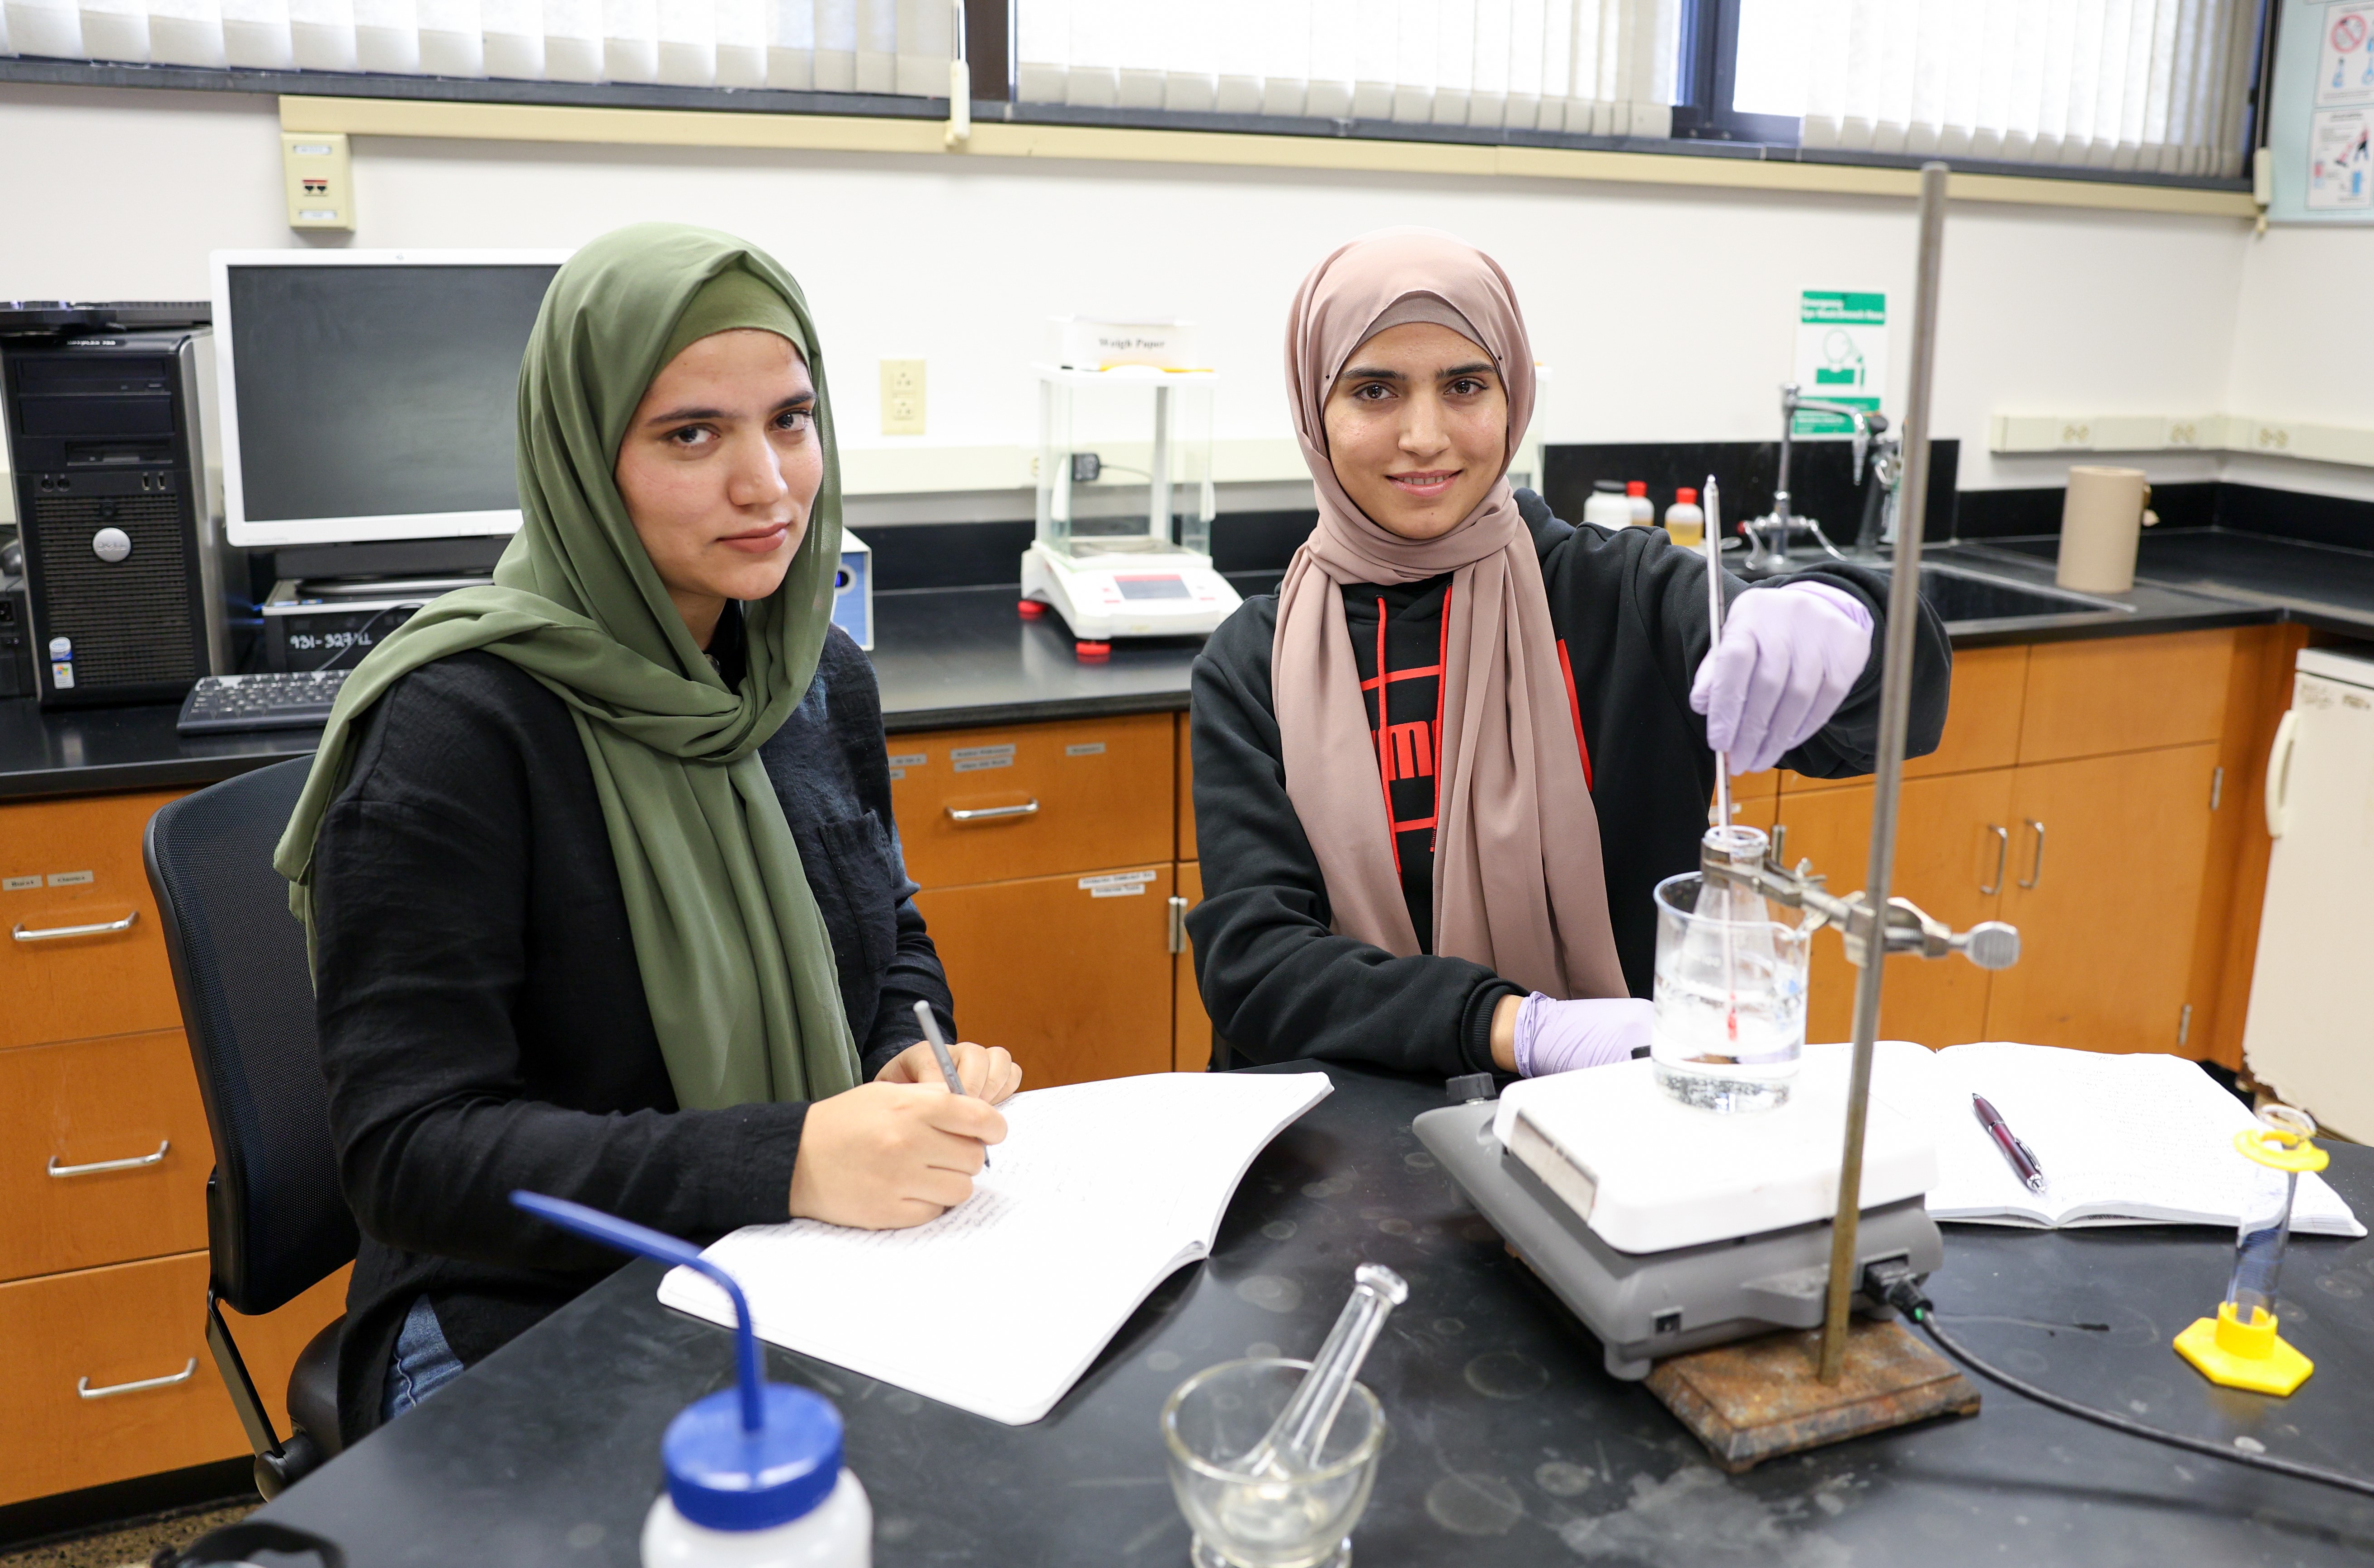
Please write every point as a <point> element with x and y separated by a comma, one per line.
<point>1841,356</point>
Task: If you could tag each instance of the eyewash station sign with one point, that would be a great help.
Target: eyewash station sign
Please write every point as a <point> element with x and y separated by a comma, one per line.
<point>1841,356</point>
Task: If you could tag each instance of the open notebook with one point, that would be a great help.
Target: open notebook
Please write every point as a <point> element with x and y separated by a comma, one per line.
<point>2122,1140</point>
<point>1099,1191</point>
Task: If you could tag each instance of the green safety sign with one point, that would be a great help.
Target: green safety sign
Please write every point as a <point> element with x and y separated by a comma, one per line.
<point>1841,355</point>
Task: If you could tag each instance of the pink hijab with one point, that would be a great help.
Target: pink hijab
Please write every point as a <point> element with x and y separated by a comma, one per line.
<point>1518,885</point>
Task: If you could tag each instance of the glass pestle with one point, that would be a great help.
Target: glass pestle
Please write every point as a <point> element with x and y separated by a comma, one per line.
<point>1297,1438</point>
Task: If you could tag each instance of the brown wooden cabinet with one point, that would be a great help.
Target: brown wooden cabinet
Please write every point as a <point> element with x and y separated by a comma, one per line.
<point>104,1373</point>
<point>1071,973</point>
<point>2076,793</point>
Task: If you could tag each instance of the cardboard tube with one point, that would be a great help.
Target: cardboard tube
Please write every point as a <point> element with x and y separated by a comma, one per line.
<point>2101,522</point>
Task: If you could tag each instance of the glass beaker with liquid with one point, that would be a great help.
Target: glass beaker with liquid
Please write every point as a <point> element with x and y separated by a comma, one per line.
<point>1729,997</point>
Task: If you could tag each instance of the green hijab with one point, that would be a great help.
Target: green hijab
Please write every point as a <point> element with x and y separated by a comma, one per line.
<point>736,964</point>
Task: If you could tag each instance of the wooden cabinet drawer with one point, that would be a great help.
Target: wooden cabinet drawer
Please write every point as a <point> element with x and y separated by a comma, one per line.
<point>2124,695</point>
<point>1074,979</point>
<point>103,1328</point>
<point>1067,797</point>
<point>98,1102</point>
<point>70,864</point>
<point>1982,723</point>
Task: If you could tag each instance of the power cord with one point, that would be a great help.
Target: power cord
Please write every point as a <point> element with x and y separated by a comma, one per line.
<point>1896,1285</point>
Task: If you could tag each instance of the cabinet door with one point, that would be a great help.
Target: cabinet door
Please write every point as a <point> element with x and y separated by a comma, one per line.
<point>2109,854</point>
<point>1071,973</point>
<point>1951,834</point>
<point>1191,1041</point>
<point>70,865</point>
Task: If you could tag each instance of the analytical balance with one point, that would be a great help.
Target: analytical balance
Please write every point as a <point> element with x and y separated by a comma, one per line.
<point>1125,505</point>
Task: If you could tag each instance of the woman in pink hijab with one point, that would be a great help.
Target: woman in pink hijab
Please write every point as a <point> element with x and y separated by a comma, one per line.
<point>1439,772</point>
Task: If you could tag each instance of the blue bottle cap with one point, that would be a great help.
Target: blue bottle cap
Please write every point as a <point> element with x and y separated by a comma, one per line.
<point>724,1478</point>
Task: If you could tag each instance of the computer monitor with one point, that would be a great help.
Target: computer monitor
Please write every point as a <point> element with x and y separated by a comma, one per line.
<point>371,395</point>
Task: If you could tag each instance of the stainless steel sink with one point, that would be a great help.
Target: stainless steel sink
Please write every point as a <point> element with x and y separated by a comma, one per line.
<point>1959,594</point>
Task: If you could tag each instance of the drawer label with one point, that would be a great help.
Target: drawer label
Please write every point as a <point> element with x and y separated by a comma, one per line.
<point>909,759</point>
<point>18,884</point>
<point>1086,749</point>
<point>975,764</point>
<point>896,774</point>
<point>1117,884</point>
<point>70,879</point>
<point>974,753</point>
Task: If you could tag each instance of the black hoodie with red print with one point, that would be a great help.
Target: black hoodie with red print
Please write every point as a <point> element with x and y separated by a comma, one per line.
<point>1629,610</point>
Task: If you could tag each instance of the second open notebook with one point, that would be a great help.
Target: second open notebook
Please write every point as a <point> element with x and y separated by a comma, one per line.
<point>1099,1191</point>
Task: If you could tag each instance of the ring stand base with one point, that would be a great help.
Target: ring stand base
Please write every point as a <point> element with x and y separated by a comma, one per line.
<point>1757,1400</point>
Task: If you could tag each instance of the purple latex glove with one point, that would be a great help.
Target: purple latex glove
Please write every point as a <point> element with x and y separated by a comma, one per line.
<point>1558,1037</point>
<point>1789,656</point>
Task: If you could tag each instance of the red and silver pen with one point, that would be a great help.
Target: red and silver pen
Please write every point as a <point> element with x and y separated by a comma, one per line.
<point>2022,1159</point>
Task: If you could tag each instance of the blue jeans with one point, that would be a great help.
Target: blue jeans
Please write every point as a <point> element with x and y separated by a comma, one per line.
<point>424,1362</point>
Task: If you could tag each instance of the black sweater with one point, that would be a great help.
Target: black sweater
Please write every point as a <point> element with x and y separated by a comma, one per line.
<point>1631,610</point>
<point>482,1015</point>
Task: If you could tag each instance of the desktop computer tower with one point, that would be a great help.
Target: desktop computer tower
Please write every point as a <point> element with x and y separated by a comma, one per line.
<point>123,588</point>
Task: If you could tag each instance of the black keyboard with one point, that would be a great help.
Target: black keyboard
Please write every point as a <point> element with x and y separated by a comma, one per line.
<point>259,701</point>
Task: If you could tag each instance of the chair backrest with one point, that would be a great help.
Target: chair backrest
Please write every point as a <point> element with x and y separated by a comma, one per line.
<point>275,1220</point>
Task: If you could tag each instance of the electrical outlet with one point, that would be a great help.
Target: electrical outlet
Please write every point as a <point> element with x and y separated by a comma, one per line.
<point>902,397</point>
<point>318,178</point>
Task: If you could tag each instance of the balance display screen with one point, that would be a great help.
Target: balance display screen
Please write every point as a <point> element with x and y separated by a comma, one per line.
<point>1151,587</point>
<point>379,391</point>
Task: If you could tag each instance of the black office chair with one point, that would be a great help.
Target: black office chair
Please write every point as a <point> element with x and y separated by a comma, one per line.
<point>276,1222</point>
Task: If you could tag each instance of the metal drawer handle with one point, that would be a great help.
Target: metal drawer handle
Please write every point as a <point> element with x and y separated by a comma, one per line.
<point>96,1166</point>
<point>989,813</point>
<point>83,1387</point>
<point>52,933</point>
<point>2003,852</point>
<point>2036,866</point>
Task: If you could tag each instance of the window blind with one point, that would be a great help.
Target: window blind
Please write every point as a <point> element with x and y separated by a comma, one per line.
<point>1600,67</point>
<point>872,46</point>
<point>2152,86</point>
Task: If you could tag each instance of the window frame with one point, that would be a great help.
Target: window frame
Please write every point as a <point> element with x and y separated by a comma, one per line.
<point>1705,125</point>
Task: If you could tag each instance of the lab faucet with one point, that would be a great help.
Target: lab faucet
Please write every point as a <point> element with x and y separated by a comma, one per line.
<point>1768,536</point>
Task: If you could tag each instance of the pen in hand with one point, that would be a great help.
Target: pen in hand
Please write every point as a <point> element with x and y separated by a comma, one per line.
<point>940,1053</point>
<point>2021,1158</point>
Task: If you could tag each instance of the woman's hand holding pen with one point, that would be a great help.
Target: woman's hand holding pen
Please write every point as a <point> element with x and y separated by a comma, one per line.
<point>885,1156</point>
<point>987,1072</point>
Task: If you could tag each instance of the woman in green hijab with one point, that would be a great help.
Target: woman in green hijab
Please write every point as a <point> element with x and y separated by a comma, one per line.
<point>598,862</point>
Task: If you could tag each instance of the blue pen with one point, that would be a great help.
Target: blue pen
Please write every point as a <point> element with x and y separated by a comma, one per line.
<point>940,1053</point>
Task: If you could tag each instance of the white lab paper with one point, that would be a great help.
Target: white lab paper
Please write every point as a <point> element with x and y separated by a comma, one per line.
<point>1099,1191</point>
